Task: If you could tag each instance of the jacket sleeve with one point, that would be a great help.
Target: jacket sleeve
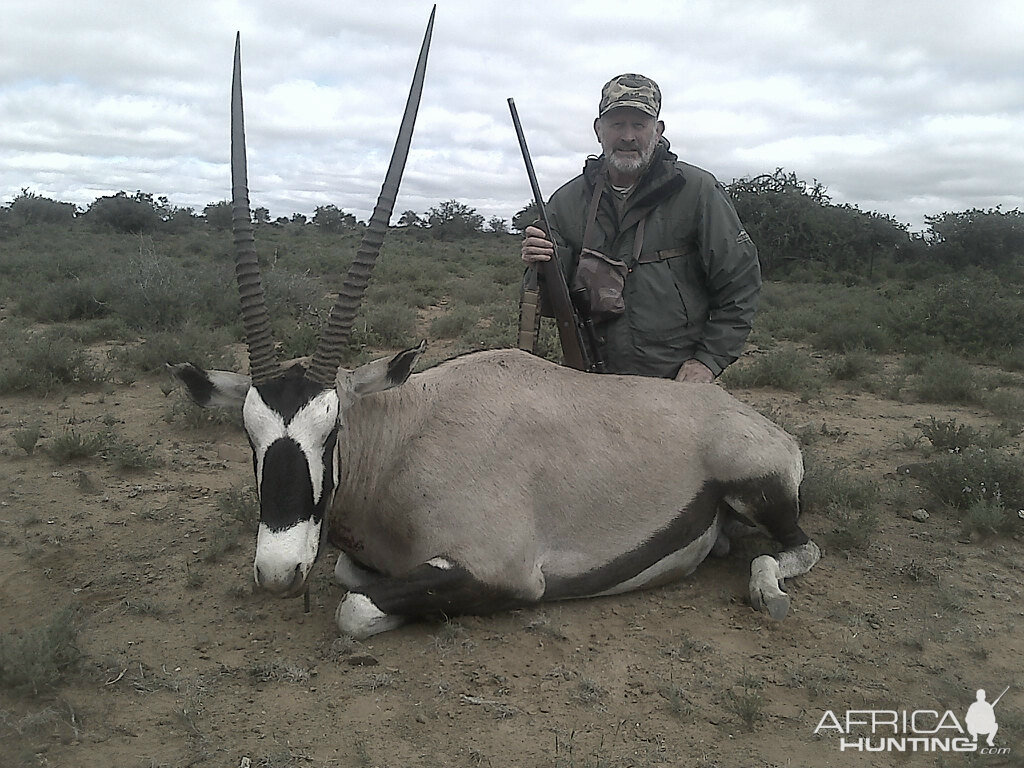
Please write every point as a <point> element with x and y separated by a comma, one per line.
<point>733,279</point>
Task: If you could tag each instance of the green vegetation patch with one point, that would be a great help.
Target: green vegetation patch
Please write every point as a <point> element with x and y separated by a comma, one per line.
<point>961,478</point>
<point>784,368</point>
<point>37,659</point>
<point>830,488</point>
<point>42,362</point>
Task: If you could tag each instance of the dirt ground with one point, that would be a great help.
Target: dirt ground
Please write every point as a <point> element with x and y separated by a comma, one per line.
<point>182,665</point>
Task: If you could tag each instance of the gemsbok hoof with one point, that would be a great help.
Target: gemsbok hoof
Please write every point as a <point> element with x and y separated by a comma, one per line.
<point>765,594</point>
<point>776,606</point>
<point>359,618</point>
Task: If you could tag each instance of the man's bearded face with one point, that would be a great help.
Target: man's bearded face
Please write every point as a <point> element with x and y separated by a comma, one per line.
<point>628,138</point>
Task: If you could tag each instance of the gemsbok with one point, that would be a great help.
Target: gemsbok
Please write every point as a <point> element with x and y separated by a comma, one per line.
<point>494,479</point>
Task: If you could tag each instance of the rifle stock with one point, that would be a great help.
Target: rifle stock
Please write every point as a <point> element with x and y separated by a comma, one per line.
<point>576,335</point>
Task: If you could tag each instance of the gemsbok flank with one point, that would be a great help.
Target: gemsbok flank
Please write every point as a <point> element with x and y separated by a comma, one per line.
<point>495,479</point>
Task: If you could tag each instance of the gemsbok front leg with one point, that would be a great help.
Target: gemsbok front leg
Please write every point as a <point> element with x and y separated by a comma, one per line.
<point>437,589</point>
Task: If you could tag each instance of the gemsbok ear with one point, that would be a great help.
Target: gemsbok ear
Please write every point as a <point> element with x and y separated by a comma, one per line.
<point>211,389</point>
<point>384,373</point>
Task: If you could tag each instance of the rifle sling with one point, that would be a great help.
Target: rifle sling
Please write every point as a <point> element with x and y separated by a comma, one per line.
<point>588,231</point>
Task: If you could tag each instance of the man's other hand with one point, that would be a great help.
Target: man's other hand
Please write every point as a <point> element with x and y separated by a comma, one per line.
<point>695,371</point>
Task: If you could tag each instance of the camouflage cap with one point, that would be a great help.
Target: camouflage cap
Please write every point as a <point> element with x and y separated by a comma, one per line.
<point>631,90</point>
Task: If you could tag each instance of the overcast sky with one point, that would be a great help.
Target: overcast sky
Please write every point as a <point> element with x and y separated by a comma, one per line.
<point>905,108</point>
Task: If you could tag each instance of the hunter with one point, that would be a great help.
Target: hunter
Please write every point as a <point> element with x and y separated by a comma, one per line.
<point>672,278</point>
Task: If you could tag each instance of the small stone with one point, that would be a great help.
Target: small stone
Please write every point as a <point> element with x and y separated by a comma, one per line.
<point>920,515</point>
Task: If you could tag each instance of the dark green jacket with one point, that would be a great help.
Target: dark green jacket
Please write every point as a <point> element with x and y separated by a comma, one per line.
<point>692,293</point>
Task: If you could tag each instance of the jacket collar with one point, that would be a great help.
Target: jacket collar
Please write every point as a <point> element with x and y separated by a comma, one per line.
<point>661,179</point>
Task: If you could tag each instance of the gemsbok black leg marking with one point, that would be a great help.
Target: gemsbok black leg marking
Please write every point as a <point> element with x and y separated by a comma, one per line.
<point>437,589</point>
<point>774,509</point>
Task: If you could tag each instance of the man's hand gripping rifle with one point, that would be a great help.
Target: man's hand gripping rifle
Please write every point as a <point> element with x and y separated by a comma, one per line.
<point>575,328</point>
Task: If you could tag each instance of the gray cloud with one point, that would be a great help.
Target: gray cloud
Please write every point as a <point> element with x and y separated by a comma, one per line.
<point>909,109</point>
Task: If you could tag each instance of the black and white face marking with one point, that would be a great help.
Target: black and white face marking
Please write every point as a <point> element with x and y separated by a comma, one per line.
<point>292,425</point>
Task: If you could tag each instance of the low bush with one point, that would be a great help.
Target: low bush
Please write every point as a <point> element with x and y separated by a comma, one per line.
<point>43,362</point>
<point>454,324</point>
<point>829,488</point>
<point>72,445</point>
<point>783,368</point>
<point>392,324</point>
<point>37,659</point>
<point>960,478</point>
<point>189,343</point>
<point>854,364</point>
<point>947,379</point>
<point>990,517</point>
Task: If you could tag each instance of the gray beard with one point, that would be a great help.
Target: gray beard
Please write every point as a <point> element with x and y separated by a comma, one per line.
<point>630,165</point>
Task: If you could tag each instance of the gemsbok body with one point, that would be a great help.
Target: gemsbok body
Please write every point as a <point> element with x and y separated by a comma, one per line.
<point>497,478</point>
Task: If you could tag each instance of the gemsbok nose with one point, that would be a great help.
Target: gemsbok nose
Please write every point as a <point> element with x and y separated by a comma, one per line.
<point>280,581</point>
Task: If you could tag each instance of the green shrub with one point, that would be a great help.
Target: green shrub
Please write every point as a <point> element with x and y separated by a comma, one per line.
<point>852,365</point>
<point>297,339</point>
<point>293,294</point>
<point>785,368</point>
<point>986,517</point>
<point>453,324</point>
<point>854,330</point>
<point>393,324</point>
<point>856,530</point>
<point>949,435</point>
<point>961,477</point>
<point>475,291</point>
<point>977,312</point>
<point>189,343</point>
<point>153,291</point>
<point>98,330</point>
<point>44,362</point>
<point>947,379</point>
<point>123,213</point>
<point>240,505</point>
<point>66,300</point>
<point>1006,404</point>
<point>71,445</point>
<point>828,488</point>
<point>499,328</point>
<point>129,457</point>
<point>37,659</point>
<point>748,705</point>
<point>27,438</point>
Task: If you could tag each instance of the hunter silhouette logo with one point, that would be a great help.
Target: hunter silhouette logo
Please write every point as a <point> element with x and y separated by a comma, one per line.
<point>981,717</point>
<point>916,730</point>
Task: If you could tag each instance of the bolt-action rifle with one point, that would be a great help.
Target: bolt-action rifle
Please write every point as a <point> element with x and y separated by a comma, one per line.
<point>575,327</point>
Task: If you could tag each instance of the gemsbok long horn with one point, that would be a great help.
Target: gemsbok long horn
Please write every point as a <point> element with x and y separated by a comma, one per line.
<point>324,367</point>
<point>255,317</point>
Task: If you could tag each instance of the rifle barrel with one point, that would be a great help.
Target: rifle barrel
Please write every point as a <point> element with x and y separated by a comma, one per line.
<point>569,331</point>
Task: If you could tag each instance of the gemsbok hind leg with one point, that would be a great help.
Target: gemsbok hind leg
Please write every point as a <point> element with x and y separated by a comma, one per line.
<point>775,511</point>
<point>437,589</point>
<point>767,574</point>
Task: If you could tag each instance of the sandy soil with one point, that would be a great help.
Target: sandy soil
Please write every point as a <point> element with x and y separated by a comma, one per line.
<point>183,666</point>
